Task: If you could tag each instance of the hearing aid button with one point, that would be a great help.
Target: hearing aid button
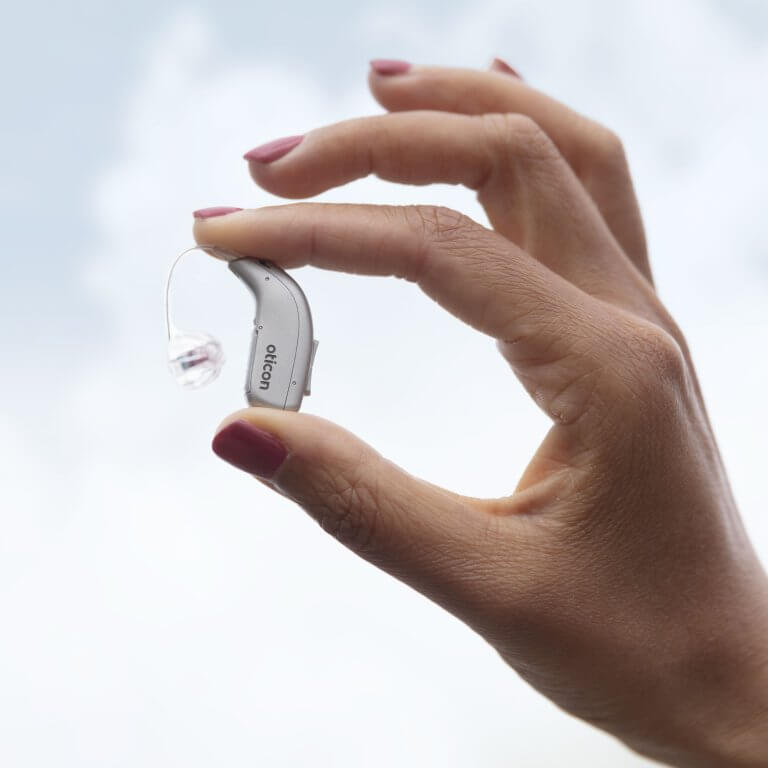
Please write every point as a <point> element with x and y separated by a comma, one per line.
<point>308,385</point>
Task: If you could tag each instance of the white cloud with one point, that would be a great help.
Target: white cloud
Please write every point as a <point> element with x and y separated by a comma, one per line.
<point>174,612</point>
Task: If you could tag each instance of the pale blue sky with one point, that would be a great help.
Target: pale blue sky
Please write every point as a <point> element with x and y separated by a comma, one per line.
<point>156,605</point>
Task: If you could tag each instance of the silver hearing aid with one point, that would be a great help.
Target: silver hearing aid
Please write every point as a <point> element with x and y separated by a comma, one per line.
<point>282,343</point>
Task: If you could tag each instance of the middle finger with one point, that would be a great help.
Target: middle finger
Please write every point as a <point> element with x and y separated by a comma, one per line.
<point>529,192</point>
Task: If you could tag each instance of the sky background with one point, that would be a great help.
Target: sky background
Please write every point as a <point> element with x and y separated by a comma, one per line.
<point>159,608</point>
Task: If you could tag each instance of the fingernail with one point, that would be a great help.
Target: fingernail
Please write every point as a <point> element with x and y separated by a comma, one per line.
<point>218,210</point>
<point>249,448</point>
<point>390,66</point>
<point>273,150</point>
<point>501,66</point>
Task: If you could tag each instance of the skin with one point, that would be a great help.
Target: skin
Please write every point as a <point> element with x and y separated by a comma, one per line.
<point>616,578</point>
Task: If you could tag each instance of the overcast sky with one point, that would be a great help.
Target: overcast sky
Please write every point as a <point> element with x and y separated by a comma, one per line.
<point>160,609</point>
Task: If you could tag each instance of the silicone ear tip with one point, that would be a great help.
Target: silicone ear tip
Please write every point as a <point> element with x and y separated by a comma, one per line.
<point>195,359</point>
<point>282,346</point>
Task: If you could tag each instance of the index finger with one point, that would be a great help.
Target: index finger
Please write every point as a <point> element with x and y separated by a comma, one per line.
<point>554,333</point>
<point>475,273</point>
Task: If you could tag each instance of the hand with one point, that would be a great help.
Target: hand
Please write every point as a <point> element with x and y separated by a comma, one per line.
<point>617,578</point>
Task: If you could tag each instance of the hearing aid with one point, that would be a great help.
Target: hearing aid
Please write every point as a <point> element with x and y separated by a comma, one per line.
<point>282,345</point>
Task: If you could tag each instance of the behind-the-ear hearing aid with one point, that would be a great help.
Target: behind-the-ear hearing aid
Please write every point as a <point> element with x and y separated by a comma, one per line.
<point>282,344</point>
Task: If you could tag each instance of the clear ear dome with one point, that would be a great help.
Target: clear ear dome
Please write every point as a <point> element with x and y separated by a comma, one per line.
<point>195,359</point>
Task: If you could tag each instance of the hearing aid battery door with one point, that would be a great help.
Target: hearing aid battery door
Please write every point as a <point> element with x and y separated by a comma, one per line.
<point>282,347</point>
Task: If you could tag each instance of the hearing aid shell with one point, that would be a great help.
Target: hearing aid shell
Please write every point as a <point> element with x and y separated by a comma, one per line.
<point>282,345</point>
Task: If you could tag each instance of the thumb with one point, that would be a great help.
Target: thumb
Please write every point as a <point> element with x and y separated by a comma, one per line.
<point>423,534</point>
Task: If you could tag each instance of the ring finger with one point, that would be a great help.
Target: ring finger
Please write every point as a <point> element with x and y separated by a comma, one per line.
<point>594,153</point>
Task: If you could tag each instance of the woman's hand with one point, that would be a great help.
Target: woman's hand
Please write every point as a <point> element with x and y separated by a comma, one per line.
<point>617,578</point>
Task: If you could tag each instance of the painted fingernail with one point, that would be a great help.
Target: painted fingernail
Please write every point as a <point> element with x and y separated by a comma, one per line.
<point>273,150</point>
<point>501,66</point>
<point>390,66</point>
<point>218,210</point>
<point>249,448</point>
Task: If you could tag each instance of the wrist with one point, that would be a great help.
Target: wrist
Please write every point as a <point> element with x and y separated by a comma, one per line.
<point>722,717</point>
<point>736,733</point>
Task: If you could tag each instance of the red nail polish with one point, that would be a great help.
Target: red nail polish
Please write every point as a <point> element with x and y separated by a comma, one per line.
<point>273,150</point>
<point>249,448</point>
<point>219,210</point>
<point>501,66</point>
<point>390,66</point>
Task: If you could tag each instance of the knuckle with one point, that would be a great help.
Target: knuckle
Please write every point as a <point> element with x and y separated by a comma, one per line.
<point>436,222</point>
<point>519,134</point>
<point>434,226</point>
<point>660,361</point>
<point>610,149</point>
<point>666,320</point>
